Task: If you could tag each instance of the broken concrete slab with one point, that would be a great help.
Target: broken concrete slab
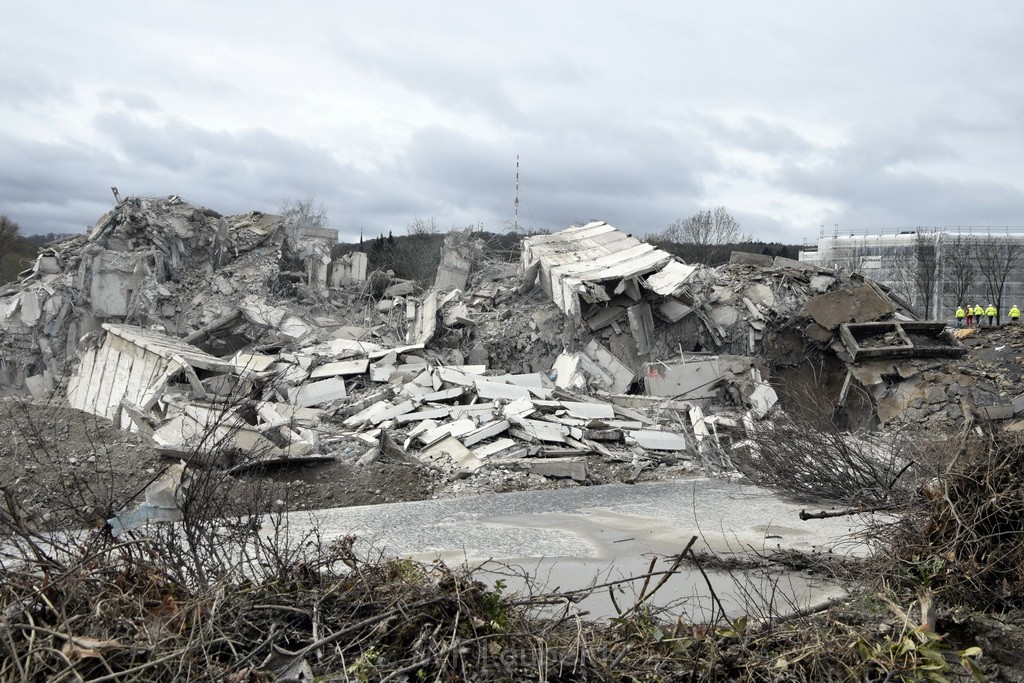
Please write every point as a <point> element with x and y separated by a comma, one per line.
<point>997,412</point>
<point>424,326</point>
<point>604,316</point>
<point>392,412</point>
<point>641,324</point>
<point>759,294</point>
<point>848,305</point>
<point>495,448</point>
<point>161,503</point>
<point>40,386</point>
<point>763,399</point>
<point>457,255</point>
<point>496,390</point>
<point>619,376</point>
<point>558,468</point>
<point>670,278</point>
<point>486,431</point>
<point>455,428</point>
<point>450,454</point>
<point>590,411</point>
<point>428,414</point>
<point>341,368</point>
<point>693,378</point>
<point>674,310</point>
<point>652,440</point>
<point>348,269</point>
<point>543,431</point>
<point>747,258</point>
<point>725,316</point>
<point>317,393</point>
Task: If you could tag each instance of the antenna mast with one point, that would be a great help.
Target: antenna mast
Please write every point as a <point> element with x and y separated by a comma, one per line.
<point>515,221</point>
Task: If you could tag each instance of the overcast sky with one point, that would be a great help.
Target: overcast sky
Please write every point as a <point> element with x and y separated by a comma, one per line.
<point>792,115</point>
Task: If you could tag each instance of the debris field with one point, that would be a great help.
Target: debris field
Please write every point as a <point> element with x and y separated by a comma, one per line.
<point>237,343</point>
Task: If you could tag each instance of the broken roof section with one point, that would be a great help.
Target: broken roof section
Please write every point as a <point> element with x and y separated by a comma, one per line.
<point>580,262</point>
<point>131,370</point>
<point>598,275</point>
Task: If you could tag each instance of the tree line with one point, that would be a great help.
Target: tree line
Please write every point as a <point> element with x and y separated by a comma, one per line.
<point>17,251</point>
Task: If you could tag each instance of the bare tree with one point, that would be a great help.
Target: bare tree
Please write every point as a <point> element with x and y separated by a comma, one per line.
<point>900,271</point>
<point>850,256</point>
<point>302,213</point>
<point>996,258</point>
<point>423,226</point>
<point>709,234</point>
<point>912,269</point>
<point>959,269</point>
<point>926,271</point>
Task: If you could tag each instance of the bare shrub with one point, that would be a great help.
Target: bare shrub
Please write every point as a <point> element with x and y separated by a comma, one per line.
<point>802,453</point>
<point>963,540</point>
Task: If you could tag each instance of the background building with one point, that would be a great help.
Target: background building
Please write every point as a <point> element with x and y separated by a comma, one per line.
<point>934,268</point>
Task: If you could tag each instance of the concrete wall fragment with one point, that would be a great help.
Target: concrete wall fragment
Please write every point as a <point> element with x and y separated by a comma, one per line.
<point>348,269</point>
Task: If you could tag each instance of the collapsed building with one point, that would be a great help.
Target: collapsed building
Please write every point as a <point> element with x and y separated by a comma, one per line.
<point>236,342</point>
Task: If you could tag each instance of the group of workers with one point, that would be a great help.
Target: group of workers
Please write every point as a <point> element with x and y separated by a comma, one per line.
<point>972,316</point>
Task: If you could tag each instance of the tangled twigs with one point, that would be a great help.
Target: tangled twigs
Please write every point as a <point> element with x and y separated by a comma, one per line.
<point>963,540</point>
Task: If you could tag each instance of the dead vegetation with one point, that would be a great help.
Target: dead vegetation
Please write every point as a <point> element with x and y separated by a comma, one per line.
<point>964,542</point>
<point>804,454</point>
<point>245,602</point>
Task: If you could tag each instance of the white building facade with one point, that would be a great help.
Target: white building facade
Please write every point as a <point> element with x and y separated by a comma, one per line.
<point>934,269</point>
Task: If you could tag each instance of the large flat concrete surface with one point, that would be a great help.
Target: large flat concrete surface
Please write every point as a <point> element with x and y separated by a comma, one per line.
<point>594,522</point>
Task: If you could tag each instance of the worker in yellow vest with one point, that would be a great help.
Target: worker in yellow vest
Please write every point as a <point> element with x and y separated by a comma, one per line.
<point>1014,315</point>
<point>960,315</point>
<point>991,312</point>
<point>978,313</point>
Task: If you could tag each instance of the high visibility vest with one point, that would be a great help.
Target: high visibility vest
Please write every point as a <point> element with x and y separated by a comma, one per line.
<point>991,311</point>
<point>1014,312</point>
<point>978,310</point>
<point>960,313</point>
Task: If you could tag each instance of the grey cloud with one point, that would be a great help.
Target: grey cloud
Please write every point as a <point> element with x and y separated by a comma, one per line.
<point>610,123</point>
<point>131,100</point>
<point>755,134</point>
<point>876,182</point>
<point>23,85</point>
<point>452,84</point>
<point>599,173</point>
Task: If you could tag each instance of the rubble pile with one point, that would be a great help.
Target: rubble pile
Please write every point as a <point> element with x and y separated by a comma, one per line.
<point>639,313</point>
<point>236,342</point>
<point>151,262</point>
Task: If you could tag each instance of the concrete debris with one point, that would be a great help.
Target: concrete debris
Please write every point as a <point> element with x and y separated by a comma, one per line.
<point>559,468</point>
<point>848,305</point>
<point>459,252</point>
<point>193,329</point>
<point>161,503</point>
<point>349,269</point>
<point>713,380</point>
<point>899,340</point>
